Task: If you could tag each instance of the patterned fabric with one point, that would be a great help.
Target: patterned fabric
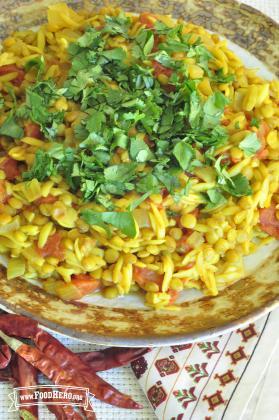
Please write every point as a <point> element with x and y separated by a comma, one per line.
<point>198,381</point>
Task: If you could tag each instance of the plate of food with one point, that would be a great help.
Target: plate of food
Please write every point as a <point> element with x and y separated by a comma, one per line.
<point>139,168</point>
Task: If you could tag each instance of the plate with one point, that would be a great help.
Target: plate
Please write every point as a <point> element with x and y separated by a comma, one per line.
<point>253,37</point>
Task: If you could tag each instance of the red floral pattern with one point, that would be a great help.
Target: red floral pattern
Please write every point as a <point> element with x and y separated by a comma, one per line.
<point>196,379</point>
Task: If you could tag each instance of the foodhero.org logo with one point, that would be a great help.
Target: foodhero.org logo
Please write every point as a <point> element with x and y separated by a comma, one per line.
<point>50,395</point>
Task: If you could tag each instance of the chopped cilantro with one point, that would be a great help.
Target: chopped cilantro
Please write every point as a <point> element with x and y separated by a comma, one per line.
<point>250,144</point>
<point>11,128</point>
<point>215,199</point>
<point>255,122</point>
<point>164,129</point>
<point>42,168</point>
<point>238,186</point>
<point>139,150</point>
<point>213,109</point>
<point>123,221</point>
<point>184,154</point>
<point>220,77</point>
<point>38,63</point>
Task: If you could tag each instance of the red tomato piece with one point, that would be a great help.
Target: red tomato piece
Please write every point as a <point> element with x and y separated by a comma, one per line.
<point>174,295</point>
<point>144,275</point>
<point>262,134</point>
<point>53,247</point>
<point>225,122</point>
<point>50,199</point>
<point>33,130</point>
<point>160,69</point>
<point>85,284</point>
<point>10,167</point>
<point>269,222</point>
<point>12,68</point>
<point>149,142</point>
<point>156,43</point>
<point>147,19</point>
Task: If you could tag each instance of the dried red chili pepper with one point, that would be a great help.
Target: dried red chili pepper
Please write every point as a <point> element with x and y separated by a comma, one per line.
<point>71,362</point>
<point>55,358</point>
<point>18,325</point>
<point>6,375</point>
<point>5,356</point>
<point>62,412</point>
<point>25,375</point>
<point>111,357</point>
<point>89,415</point>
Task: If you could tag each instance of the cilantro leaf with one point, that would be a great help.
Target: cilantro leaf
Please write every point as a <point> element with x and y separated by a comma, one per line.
<point>139,150</point>
<point>124,221</point>
<point>213,109</point>
<point>195,109</point>
<point>238,186</point>
<point>38,100</point>
<point>144,43</point>
<point>90,38</point>
<point>42,168</point>
<point>122,172</point>
<point>2,102</point>
<point>147,183</point>
<point>95,121</point>
<point>38,63</point>
<point>255,122</point>
<point>215,199</point>
<point>220,77</point>
<point>167,177</point>
<point>250,144</point>
<point>117,54</point>
<point>11,128</point>
<point>117,25</point>
<point>184,154</point>
<point>165,59</point>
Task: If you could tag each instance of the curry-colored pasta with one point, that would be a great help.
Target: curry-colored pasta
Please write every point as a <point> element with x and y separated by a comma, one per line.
<point>138,154</point>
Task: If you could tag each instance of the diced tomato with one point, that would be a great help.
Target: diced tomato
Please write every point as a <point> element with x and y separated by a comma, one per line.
<point>174,295</point>
<point>10,167</point>
<point>50,199</point>
<point>3,192</point>
<point>156,43</point>
<point>164,192</point>
<point>262,154</point>
<point>160,69</point>
<point>53,247</point>
<point>85,284</point>
<point>148,141</point>
<point>262,134</point>
<point>12,68</point>
<point>144,275</point>
<point>269,222</point>
<point>225,122</point>
<point>147,19</point>
<point>33,130</point>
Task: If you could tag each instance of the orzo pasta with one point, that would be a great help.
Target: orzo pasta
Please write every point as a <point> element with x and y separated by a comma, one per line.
<point>138,154</point>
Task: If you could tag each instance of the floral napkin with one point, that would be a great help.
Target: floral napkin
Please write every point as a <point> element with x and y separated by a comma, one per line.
<point>210,380</point>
